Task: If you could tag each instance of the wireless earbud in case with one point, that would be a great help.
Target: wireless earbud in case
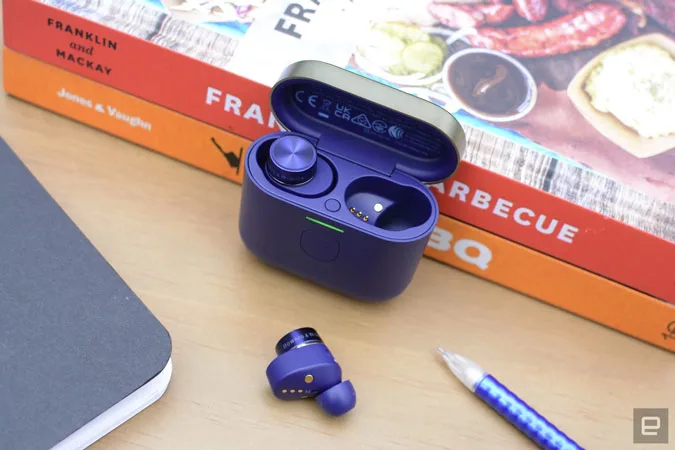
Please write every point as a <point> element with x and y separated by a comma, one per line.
<point>341,199</point>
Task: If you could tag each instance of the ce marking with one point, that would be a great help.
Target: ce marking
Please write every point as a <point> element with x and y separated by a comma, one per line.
<point>312,99</point>
<point>670,331</point>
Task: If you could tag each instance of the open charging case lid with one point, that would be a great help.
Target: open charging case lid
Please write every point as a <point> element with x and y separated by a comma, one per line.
<point>367,122</point>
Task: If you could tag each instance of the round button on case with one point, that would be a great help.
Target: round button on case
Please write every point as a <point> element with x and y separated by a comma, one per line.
<point>357,143</point>
<point>320,245</point>
<point>332,205</point>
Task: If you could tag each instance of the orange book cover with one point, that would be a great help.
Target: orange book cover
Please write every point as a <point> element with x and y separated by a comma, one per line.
<point>453,242</point>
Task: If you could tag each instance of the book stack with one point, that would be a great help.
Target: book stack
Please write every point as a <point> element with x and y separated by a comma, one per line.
<point>566,192</point>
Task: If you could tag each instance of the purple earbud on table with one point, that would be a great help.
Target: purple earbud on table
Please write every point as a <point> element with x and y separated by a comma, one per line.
<point>305,368</point>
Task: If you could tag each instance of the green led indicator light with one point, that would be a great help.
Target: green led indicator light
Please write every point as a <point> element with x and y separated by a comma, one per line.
<point>323,224</point>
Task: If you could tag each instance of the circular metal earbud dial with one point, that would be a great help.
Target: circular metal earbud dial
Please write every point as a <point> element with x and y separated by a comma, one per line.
<point>292,160</point>
<point>298,338</point>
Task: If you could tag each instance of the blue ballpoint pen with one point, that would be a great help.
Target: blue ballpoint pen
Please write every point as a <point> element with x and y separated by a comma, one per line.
<point>507,404</point>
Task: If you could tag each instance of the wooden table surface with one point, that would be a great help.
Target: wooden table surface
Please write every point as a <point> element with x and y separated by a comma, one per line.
<point>171,232</point>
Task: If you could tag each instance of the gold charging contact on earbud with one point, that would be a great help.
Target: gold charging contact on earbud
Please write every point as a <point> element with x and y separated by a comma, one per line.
<point>293,391</point>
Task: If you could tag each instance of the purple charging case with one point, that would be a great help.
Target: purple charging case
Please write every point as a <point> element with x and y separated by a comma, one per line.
<point>341,198</point>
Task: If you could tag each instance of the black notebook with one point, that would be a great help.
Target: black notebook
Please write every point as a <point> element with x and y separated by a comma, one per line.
<point>80,353</point>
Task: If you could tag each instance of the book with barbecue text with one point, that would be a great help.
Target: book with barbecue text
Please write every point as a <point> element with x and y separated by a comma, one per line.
<point>568,105</point>
<point>452,242</point>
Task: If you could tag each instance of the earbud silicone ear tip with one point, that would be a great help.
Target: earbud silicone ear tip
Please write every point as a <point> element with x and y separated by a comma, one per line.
<point>338,400</point>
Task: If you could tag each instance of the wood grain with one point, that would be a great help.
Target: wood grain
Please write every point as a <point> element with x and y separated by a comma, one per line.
<point>171,232</point>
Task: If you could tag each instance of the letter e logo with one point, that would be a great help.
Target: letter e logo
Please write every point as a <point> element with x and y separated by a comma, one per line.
<point>650,426</point>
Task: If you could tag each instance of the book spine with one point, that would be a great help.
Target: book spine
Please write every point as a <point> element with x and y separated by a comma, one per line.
<point>482,198</point>
<point>453,242</point>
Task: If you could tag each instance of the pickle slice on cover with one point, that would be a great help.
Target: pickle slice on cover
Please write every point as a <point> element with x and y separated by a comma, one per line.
<point>422,57</point>
<point>403,49</point>
<point>382,49</point>
<point>403,31</point>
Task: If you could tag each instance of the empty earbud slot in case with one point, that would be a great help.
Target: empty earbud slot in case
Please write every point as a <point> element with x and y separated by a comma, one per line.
<point>386,204</point>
